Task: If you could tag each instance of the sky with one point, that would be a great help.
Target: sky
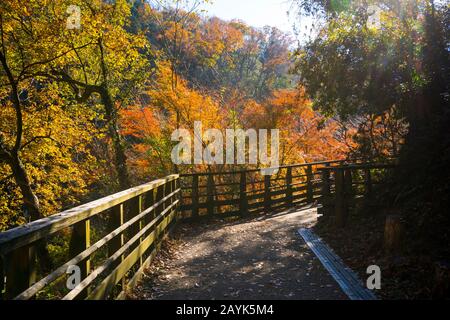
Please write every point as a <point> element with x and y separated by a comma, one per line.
<point>257,13</point>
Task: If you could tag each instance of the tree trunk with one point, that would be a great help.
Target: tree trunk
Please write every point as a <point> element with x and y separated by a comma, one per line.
<point>30,200</point>
<point>32,206</point>
<point>120,158</point>
<point>393,235</point>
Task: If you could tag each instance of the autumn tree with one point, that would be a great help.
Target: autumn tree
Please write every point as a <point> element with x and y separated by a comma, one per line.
<point>38,139</point>
<point>27,46</point>
<point>163,111</point>
<point>351,62</point>
<point>104,62</point>
<point>305,135</point>
<point>356,69</point>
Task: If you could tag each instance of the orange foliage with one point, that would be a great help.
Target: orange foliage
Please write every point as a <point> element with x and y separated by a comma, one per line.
<point>305,135</point>
<point>139,122</point>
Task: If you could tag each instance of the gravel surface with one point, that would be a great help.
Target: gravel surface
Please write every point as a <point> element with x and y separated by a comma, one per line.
<point>259,259</point>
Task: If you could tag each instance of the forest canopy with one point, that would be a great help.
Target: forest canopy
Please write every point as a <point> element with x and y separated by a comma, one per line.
<point>88,111</point>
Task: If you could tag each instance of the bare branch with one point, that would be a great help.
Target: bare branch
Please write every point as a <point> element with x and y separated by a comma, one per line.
<point>36,138</point>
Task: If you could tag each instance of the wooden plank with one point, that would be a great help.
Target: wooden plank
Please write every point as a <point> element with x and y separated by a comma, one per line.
<point>267,195</point>
<point>299,196</point>
<point>277,201</point>
<point>298,189</point>
<point>115,220</point>
<point>210,195</point>
<point>300,165</point>
<point>34,231</point>
<point>289,191</point>
<point>309,183</point>
<point>139,274</point>
<point>326,193</point>
<point>79,242</point>
<point>20,271</point>
<point>88,252</point>
<point>103,289</point>
<point>243,199</point>
<point>343,275</point>
<point>168,203</point>
<point>257,196</point>
<point>279,193</point>
<point>149,201</point>
<point>109,262</point>
<point>135,209</point>
<point>348,184</point>
<point>160,199</point>
<point>229,202</point>
<point>259,204</point>
<point>195,197</point>
<point>177,185</point>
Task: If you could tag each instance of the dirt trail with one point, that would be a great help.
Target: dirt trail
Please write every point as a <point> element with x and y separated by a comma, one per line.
<point>263,258</point>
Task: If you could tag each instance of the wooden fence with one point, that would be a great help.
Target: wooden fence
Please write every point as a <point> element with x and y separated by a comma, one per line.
<point>249,191</point>
<point>110,241</point>
<point>346,186</point>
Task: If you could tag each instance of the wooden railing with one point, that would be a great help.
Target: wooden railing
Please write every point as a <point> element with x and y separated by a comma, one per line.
<point>109,242</point>
<point>248,191</point>
<point>345,187</point>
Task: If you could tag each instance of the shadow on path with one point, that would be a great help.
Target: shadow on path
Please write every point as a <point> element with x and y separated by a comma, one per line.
<point>258,259</point>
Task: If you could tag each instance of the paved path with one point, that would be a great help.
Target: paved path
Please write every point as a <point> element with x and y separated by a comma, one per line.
<point>262,259</point>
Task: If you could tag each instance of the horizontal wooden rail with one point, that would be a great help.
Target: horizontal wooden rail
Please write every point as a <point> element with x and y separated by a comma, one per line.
<point>246,191</point>
<point>343,185</point>
<point>135,221</point>
<point>113,239</point>
<point>300,165</point>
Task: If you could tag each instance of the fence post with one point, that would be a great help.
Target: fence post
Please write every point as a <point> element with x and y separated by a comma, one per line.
<point>168,191</point>
<point>267,194</point>
<point>348,188</point>
<point>210,195</point>
<point>243,204</point>
<point>159,209</point>
<point>195,212</point>
<point>289,193</point>
<point>177,186</point>
<point>159,196</point>
<point>326,193</point>
<point>149,201</point>
<point>116,220</point>
<point>134,209</point>
<point>20,271</point>
<point>309,190</point>
<point>340,207</point>
<point>80,241</point>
